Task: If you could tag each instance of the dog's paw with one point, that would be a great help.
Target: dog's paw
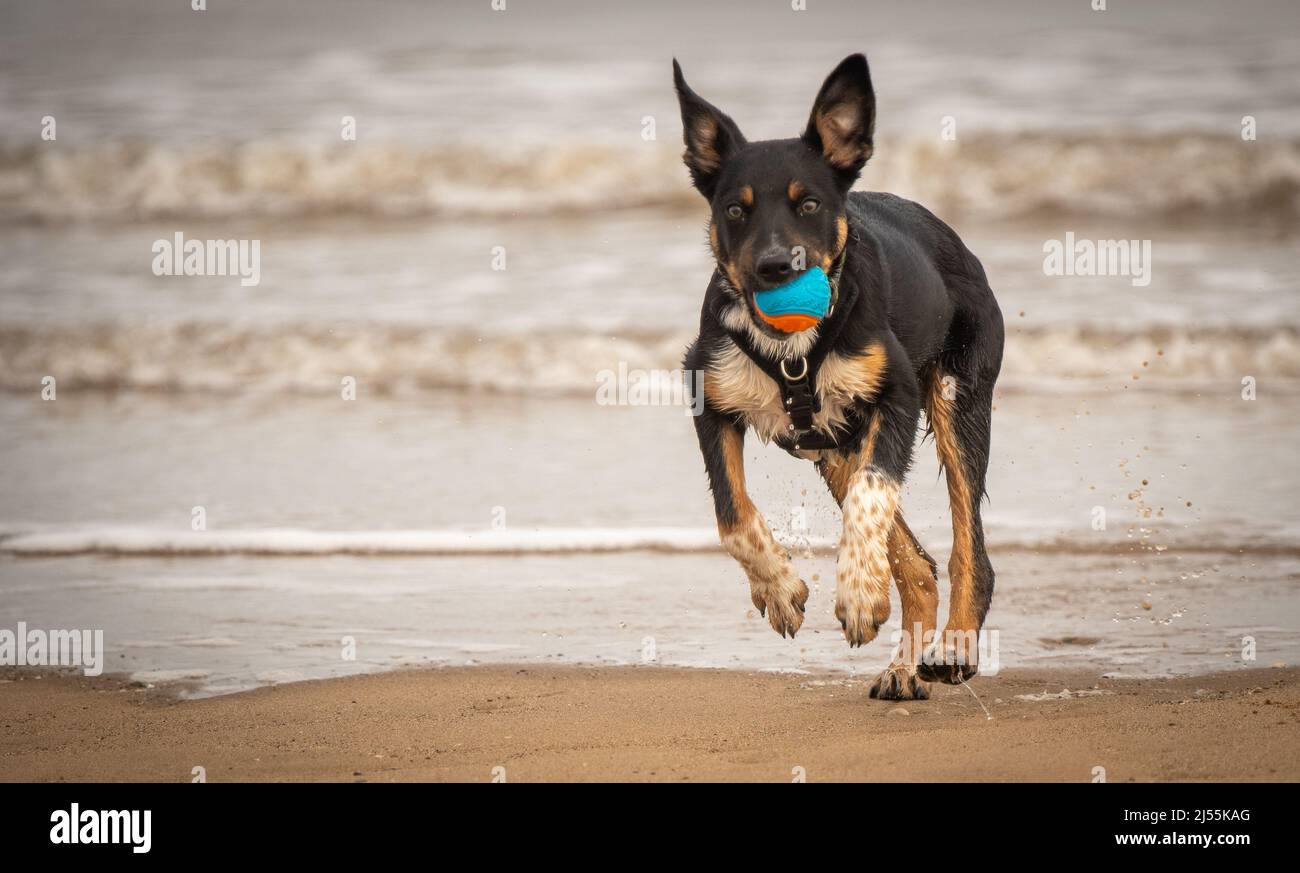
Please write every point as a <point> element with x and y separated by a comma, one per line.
<point>782,602</point>
<point>952,658</point>
<point>952,674</point>
<point>861,612</point>
<point>899,682</point>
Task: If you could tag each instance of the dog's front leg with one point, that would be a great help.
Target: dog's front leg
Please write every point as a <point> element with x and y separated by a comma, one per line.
<point>862,568</point>
<point>865,479</point>
<point>775,588</point>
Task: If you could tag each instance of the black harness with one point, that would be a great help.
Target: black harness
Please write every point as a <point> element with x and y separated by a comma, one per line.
<point>800,400</point>
<point>796,378</point>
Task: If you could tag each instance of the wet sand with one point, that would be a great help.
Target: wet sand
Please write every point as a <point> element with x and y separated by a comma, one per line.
<point>654,724</point>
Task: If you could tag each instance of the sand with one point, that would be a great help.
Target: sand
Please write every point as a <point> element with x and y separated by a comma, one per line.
<point>653,724</point>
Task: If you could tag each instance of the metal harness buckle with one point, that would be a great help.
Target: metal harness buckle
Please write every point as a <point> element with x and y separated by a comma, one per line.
<point>786,373</point>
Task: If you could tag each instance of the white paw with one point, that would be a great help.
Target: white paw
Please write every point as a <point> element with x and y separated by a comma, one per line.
<point>861,610</point>
<point>782,600</point>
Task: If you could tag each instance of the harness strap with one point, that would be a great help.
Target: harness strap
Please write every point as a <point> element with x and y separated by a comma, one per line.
<point>800,401</point>
<point>815,440</point>
<point>797,391</point>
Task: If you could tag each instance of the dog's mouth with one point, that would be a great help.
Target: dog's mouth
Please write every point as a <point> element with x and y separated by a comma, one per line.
<point>756,317</point>
<point>792,307</point>
<point>745,296</point>
<point>778,318</point>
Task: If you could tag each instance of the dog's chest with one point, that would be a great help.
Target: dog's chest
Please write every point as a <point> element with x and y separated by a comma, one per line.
<point>735,384</point>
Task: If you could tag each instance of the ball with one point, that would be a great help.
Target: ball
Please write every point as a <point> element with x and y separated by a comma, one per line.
<point>798,304</point>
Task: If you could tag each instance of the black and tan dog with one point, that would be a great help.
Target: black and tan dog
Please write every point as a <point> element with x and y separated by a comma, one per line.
<point>912,325</point>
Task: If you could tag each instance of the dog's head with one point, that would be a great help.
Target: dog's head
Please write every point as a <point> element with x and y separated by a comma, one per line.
<point>778,205</point>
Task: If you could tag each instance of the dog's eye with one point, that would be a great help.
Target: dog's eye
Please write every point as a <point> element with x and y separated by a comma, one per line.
<point>734,211</point>
<point>808,206</point>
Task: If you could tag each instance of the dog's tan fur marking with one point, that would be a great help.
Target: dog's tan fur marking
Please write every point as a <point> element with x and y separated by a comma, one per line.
<point>703,152</point>
<point>774,587</point>
<point>795,191</point>
<point>841,238</point>
<point>838,469</point>
<point>713,241</point>
<point>835,126</point>
<point>733,383</point>
<point>962,612</point>
<point>917,589</point>
<point>733,453</point>
<point>747,196</point>
<point>842,379</point>
<point>733,274</point>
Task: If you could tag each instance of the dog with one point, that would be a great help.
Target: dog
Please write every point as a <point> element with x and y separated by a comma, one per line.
<point>912,325</point>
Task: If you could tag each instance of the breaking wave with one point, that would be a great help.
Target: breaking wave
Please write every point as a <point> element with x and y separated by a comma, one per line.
<point>392,359</point>
<point>984,175</point>
<point>287,542</point>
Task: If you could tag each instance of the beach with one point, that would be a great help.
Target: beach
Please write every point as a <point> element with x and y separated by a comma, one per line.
<point>378,530</point>
<point>574,724</point>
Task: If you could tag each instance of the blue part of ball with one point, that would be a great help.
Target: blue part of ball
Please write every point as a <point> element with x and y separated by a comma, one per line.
<point>808,294</point>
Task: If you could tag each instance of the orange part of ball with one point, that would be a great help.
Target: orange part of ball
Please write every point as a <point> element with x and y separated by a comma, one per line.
<point>792,323</point>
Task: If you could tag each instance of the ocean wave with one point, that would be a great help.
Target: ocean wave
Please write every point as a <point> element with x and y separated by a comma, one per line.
<point>387,359</point>
<point>130,181</point>
<point>148,542</point>
<point>987,175</point>
<point>286,542</point>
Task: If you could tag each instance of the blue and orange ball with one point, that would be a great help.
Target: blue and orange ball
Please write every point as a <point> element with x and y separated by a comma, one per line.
<point>798,304</point>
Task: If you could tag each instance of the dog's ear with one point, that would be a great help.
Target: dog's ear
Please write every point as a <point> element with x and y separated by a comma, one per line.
<point>711,137</point>
<point>843,118</point>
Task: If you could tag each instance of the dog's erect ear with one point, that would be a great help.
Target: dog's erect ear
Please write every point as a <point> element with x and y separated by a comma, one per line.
<point>843,117</point>
<point>711,137</point>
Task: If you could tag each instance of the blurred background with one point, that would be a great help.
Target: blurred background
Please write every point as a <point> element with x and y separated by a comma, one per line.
<point>547,135</point>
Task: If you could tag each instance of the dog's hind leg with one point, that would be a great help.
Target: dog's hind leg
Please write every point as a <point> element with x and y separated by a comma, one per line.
<point>916,576</point>
<point>959,407</point>
<point>774,586</point>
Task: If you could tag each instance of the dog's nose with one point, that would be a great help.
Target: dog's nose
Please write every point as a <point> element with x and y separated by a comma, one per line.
<point>775,266</point>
